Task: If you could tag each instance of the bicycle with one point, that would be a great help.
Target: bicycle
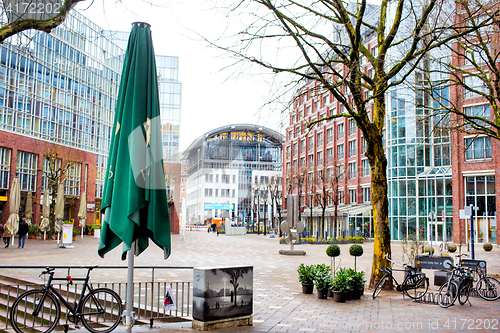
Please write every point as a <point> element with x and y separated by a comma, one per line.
<point>458,286</point>
<point>99,310</point>
<point>414,281</point>
<point>487,287</point>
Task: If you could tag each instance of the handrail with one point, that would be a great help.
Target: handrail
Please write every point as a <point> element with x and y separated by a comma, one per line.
<point>152,268</point>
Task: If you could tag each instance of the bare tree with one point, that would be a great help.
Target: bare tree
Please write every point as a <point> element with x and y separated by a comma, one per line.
<point>256,206</point>
<point>335,40</point>
<point>20,20</point>
<point>335,176</point>
<point>322,195</point>
<point>54,170</point>
<point>274,189</point>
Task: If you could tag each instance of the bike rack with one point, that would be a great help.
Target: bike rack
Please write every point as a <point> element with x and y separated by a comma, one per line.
<point>429,298</point>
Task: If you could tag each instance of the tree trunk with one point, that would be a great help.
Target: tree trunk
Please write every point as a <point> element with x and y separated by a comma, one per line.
<point>380,204</point>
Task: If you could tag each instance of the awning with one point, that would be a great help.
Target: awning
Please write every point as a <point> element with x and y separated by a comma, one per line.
<point>356,209</point>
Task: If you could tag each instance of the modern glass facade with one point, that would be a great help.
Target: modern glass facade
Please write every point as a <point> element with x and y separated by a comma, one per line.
<point>61,89</point>
<point>225,165</point>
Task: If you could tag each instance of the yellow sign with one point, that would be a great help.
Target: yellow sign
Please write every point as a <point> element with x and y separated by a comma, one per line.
<point>3,198</point>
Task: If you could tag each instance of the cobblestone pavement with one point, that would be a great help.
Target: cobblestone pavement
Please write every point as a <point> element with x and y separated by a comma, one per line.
<point>279,305</point>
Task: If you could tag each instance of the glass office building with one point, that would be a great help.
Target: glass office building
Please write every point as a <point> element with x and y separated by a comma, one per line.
<point>58,91</point>
<point>224,165</point>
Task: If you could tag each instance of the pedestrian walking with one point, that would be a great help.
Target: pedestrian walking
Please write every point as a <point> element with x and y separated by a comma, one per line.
<point>23,231</point>
<point>217,228</point>
<point>6,236</point>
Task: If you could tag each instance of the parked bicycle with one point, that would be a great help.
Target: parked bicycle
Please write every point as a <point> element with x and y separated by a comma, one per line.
<point>458,286</point>
<point>39,310</point>
<point>415,284</point>
<point>487,287</point>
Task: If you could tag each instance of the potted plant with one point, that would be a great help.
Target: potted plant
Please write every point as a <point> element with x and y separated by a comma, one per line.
<point>333,251</point>
<point>322,280</point>
<point>356,283</point>
<point>75,233</point>
<point>356,251</point>
<point>33,231</point>
<point>306,277</point>
<point>340,285</point>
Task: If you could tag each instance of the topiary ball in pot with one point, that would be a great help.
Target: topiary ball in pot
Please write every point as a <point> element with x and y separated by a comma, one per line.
<point>333,250</point>
<point>488,246</point>
<point>452,247</point>
<point>356,250</point>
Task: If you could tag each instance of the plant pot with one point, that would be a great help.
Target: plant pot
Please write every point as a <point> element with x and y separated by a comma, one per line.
<point>322,293</point>
<point>339,296</point>
<point>31,236</point>
<point>330,293</point>
<point>349,294</point>
<point>307,288</point>
<point>356,293</point>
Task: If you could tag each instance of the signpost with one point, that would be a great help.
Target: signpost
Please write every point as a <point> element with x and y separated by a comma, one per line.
<point>432,217</point>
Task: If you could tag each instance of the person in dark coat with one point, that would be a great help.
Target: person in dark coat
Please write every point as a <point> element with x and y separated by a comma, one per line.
<point>23,231</point>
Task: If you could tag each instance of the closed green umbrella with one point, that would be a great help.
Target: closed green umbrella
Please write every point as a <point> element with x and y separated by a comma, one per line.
<point>134,201</point>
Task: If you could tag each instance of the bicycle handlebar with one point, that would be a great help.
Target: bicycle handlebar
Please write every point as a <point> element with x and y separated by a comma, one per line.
<point>395,263</point>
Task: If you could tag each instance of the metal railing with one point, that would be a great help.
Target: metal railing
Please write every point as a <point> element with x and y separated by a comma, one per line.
<point>148,296</point>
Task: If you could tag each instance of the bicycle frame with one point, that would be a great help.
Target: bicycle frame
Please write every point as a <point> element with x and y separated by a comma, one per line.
<point>76,311</point>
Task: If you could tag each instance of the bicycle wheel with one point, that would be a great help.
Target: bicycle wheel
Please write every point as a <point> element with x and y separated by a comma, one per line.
<point>381,283</point>
<point>417,286</point>
<point>463,292</point>
<point>488,288</point>
<point>447,296</point>
<point>101,311</point>
<point>23,319</point>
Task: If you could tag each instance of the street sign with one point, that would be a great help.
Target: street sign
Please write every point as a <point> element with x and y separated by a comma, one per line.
<point>427,262</point>
<point>467,211</point>
<point>474,264</point>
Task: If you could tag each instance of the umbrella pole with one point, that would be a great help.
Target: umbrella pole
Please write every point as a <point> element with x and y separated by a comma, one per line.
<point>82,232</point>
<point>129,314</point>
<point>57,240</point>
<point>12,247</point>
<point>44,236</point>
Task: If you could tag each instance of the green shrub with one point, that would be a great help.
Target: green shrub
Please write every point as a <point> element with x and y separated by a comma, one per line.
<point>355,279</point>
<point>348,239</point>
<point>340,239</point>
<point>34,229</point>
<point>333,250</point>
<point>341,280</point>
<point>306,273</point>
<point>322,278</point>
<point>311,240</point>
<point>358,239</point>
<point>356,250</point>
<point>427,249</point>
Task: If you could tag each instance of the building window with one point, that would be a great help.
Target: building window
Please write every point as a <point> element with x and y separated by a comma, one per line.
<point>73,176</point>
<point>482,111</point>
<point>320,157</point>
<point>352,148</point>
<point>352,126</point>
<point>478,148</point>
<point>325,99</point>
<point>352,196</point>
<point>352,170</point>
<point>365,168</point>
<point>295,151</point>
<point>311,160</point>
<point>480,192</point>
<point>367,194</point>
<point>302,161</point>
<point>319,139</point>
<point>226,179</point>
<point>4,168</point>
<point>209,178</point>
<point>340,131</point>
<point>329,154</point>
<point>363,145</point>
<point>234,179</point>
<point>224,193</point>
<point>340,151</point>
<point>311,143</point>
<point>216,178</point>
<point>474,86</point>
<point>308,110</point>
<point>329,174</point>
<point>208,192</point>
<point>302,146</point>
<point>26,170</point>
<point>264,180</point>
<point>340,172</point>
<point>288,152</point>
<point>297,131</point>
<point>329,135</point>
<point>341,197</point>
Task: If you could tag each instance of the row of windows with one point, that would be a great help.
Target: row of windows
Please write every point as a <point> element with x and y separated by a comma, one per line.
<point>224,193</point>
<point>225,179</point>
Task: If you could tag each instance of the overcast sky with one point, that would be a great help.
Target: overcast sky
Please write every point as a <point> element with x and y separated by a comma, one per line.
<point>212,95</point>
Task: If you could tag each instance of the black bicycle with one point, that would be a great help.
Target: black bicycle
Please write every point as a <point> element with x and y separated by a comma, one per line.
<point>458,286</point>
<point>99,310</point>
<point>487,287</point>
<point>415,284</point>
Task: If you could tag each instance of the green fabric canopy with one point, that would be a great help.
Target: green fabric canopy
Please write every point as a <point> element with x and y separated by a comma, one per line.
<point>134,201</point>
